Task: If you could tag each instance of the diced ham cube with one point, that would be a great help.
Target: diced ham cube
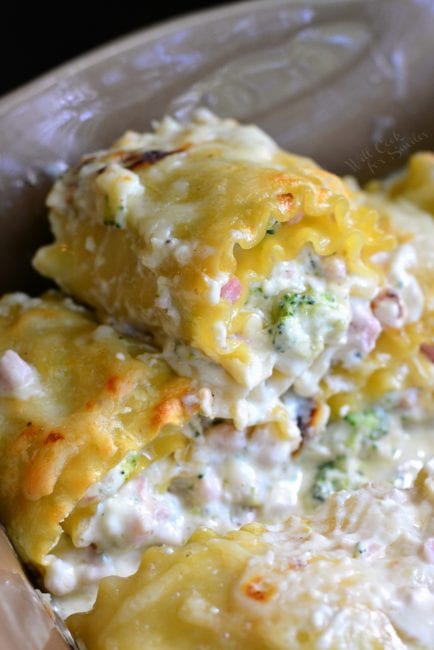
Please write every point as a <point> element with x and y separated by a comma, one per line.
<point>428,350</point>
<point>388,308</point>
<point>225,436</point>
<point>231,291</point>
<point>428,550</point>
<point>334,268</point>
<point>208,487</point>
<point>297,217</point>
<point>364,329</point>
<point>17,378</point>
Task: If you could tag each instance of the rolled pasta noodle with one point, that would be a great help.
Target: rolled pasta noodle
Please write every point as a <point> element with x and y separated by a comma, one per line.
<point>358,573</point>
<point>403,356</point>
<point>416,183</point>
<point>247,263</point>
<point>75,400</point>
<point>104,452</point>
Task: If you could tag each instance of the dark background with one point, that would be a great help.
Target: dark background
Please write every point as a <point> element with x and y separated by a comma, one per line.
<point>38,36</point>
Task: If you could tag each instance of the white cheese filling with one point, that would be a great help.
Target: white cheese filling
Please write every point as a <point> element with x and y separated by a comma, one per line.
<point>229,478</point>
<point>308,315</point>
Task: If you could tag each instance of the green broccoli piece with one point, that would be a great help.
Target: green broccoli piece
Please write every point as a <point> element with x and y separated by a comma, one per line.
<point>331,477</point>
<point>299,305</point>
<point>291,302</point>
<point>129,464</point>
<point>370,425</point>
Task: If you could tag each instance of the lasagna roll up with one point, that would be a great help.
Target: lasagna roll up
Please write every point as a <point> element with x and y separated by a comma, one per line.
<point>75,402</point>
<point>357,574</point>
<point>248,264</point>
<point>103,451</point>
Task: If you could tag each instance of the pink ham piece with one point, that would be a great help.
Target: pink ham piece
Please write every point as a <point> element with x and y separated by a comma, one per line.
<point>428,550</point>
<point>16,376</point>
<point>297,217</point>
<point>231,291</point>
<point>334,268</point>
<point>364,330</point>
<point>428,350</point>
<point>388,308</point>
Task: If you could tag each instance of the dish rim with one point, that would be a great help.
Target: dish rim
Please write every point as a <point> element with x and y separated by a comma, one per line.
<point>121,44</point>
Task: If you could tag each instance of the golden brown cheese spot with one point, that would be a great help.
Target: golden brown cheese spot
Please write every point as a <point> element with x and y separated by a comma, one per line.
<point>135,159</point>
<point>54,436</point>
<point>286,200</point>
<point>169,411</point>
<point>259,589</point>
<point>113,384</point>
<point>120,386</point>
<point>172,408</point>
<point>46,463</point>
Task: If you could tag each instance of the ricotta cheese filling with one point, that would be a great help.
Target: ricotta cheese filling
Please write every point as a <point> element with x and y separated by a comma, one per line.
<point>307,316</point>
<point>229,478</point>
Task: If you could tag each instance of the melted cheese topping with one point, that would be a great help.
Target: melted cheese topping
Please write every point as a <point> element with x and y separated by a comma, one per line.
<point>171,231</point>
<point>75,398</point>
<point>358,573</point>
<point>285,296</point>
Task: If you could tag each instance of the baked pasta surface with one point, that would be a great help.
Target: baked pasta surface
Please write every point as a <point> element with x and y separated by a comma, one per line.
<point>252,267</point>
<point>235,450</point>
<point>75,400</point>
<point>102,442</point>
<point>358,574</point>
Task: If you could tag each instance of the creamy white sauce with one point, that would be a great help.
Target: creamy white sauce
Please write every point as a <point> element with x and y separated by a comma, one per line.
<point>358,572</point>
<point>387,443</point>
<point>308,314</point>
<point>227,479</point>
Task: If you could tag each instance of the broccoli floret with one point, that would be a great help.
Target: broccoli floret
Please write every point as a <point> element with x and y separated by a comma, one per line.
<point>129,464</point>
<point>291,302</point>
<point>302,320</point>
<point>330,477</point>
<point>370,425</point>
